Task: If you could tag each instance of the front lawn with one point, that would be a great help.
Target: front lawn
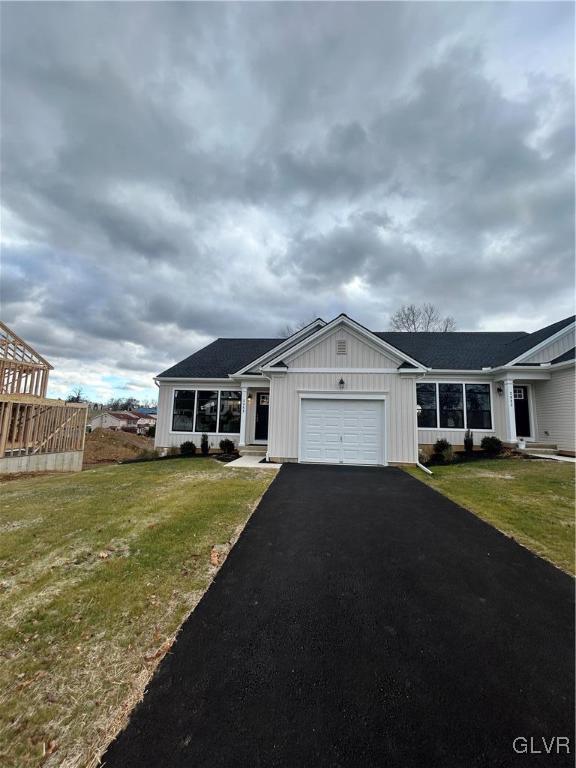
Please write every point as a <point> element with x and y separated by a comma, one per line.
<point>530,500</point>
<point>98,571</point>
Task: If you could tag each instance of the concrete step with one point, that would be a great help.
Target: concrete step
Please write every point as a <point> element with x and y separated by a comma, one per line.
<point>552,446</point>
<point>252,450</point>
<point>543,451</point>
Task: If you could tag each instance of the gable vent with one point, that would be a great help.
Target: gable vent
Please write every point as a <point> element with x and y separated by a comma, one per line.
<point>341,348</point>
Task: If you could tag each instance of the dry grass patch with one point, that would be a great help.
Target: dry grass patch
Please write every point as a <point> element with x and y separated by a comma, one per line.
<point>530,500</point>
<point>99,570</point>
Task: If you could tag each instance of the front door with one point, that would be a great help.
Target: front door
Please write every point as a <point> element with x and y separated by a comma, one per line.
<point>522,411</point>
<point>261,431</point>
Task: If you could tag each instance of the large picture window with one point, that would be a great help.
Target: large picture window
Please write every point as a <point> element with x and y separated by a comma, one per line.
<point>230,403</point>
<point>426,399</point>
<point>478,414</point>
<point>183,412</point>
<point>215,411</point>
<point>449,405</point>
<point>207,411</point>
<point>451,401</point>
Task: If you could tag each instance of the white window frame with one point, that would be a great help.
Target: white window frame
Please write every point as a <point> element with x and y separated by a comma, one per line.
<point>436,382</point>
<point>204,388</point>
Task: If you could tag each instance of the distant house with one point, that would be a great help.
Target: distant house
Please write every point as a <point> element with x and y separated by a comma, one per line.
<point>115,420</point>
<point>129,421</point>
<point>145,420</point>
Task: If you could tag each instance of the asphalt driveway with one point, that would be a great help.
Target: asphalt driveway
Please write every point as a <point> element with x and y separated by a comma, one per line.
<point>364,620</point>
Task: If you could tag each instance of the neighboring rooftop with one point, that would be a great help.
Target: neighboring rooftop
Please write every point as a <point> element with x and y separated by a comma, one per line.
<point>459,350</point>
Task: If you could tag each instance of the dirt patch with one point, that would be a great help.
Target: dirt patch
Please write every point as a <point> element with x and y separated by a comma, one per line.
<point>105,446</point>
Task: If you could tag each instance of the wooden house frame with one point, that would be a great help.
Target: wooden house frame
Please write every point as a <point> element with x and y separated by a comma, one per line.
<point>32,425</point>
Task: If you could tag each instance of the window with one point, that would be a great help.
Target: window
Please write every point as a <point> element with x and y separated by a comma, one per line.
<point>451,399</point>
<point>426,399</point>
<point>230,403</point>
<point>518,393</point>
<point>478,414</point>
<point>183,410</point>
<point>341,347</point>
<point>206,412</point>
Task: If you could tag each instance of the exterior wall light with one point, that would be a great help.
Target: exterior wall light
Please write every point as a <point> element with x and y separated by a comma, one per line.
<point>499,390</point>
<point>341,384</point>
<point>249,398</point>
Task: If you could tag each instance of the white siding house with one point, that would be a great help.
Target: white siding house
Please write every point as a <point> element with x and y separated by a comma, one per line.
<point>339,393</point>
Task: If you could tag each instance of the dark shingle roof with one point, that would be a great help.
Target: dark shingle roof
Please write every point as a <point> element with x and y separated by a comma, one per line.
<point>567,356</point>
<point>220,358</point>
<point>529,340</point>
<point>456,350</point>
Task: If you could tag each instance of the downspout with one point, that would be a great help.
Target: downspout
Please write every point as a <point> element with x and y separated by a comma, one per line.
<point>420,466</point>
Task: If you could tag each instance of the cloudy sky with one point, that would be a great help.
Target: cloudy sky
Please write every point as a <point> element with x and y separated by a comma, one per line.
<point>177,172</point>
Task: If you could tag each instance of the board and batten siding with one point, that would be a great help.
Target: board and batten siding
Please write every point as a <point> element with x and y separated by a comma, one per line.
<point>555,409</point>
<point>553,350</point>
<point>359,354</point>
<point>284,425</point>
<point>456,436</point>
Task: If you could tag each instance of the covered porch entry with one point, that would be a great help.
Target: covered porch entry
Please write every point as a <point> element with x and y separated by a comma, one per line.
<point>520,405</point>
<point>254,417</point>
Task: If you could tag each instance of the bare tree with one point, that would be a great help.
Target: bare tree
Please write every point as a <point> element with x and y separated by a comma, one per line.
<point>289,329</point>
<point>425,317</point>
<point>76,396</point>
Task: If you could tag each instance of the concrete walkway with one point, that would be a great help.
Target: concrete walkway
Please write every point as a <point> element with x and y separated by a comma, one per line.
<point>252,462</point>
<point>552,457</point>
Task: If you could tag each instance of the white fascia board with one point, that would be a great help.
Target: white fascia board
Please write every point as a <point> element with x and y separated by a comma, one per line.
<point>191,380</point>
<point>537,347</point>
<point>460,371</point>
<point>563,364</point>
<point>344,320</point>
<point>286,344</point>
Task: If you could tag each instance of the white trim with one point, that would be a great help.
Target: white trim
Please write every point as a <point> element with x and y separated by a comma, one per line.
<point>319,395</point>
<point>563,364</point>
<point>336,394</point>
<point>465,410</point>
<point>344,320</point>
<point>344,370</point>
<point>182,380</point>
<point>510,412</point>
<point>286,343</point>
<point>531,411</point>
<point>549,340</point>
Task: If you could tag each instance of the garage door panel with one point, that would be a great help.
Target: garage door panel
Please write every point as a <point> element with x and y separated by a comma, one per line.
<point>342,431</point>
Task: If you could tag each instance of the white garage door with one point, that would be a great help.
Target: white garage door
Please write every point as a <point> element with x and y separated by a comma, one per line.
<point>342,431</point>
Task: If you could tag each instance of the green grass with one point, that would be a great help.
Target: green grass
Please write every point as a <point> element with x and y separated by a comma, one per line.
<point>532,501</point>
<point>97,572</point>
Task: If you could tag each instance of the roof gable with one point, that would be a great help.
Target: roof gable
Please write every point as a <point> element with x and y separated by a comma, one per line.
<point>523,348</point>
<point>284,344</point>
<point>359,330</point>
<point>343,347</point>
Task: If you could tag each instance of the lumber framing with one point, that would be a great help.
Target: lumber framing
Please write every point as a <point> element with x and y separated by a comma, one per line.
<point>31,423</point>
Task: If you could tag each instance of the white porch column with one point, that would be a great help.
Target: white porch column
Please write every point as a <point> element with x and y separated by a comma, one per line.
<point>509,410</point>
<point>243,413</point>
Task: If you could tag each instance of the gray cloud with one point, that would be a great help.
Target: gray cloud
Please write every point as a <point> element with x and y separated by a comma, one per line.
<point>173,172</point>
